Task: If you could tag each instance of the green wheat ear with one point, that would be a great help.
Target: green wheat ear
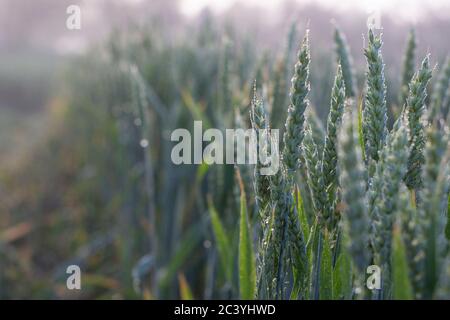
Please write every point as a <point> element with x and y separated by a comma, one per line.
<point>346,61</point>
<point>440,100</point>
<point>387,181</point>
<point>353,182</point>
<point>415,111</point>
<point>375,110</point>
<point>315,177</point>
<point>260,123</point>
<point>413,238</point>
<point>317,130</point>
<point>408,67</point>
<point>434,204</point>
<point>286,234</point>
<point>330,156</point>
<point>276,251</point>
<point>293,135</point>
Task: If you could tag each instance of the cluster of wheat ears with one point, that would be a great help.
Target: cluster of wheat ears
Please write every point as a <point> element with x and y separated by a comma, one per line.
<point>379,195</point>
<point>356,194</point>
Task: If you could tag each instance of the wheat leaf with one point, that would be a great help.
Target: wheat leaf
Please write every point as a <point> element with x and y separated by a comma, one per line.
<point>326,270</point>
<point>222,241</point>
<point>302,214</point>
<point>342,277</point>
<point>247,268</point>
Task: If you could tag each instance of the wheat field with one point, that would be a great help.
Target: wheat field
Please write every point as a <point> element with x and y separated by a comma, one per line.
<point>358,208</point>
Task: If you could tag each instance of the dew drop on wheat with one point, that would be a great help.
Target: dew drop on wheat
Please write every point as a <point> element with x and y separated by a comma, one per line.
<point>144,143</point>
<point>207,244</point>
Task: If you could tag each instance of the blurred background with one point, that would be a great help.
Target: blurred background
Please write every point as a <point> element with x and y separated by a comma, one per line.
<point>85,173</point>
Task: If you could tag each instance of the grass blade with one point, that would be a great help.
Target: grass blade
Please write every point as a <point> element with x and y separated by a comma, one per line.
<point>342,277</point>
<point>247,268</point>
<point>326,271</point>
<point>222,241</point>
<point>302,214</point>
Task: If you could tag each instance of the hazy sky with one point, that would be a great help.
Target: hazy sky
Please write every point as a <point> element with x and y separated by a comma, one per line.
<point>405,9</point>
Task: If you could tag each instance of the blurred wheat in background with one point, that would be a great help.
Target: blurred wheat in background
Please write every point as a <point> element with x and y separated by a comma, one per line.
<point>86,176</point>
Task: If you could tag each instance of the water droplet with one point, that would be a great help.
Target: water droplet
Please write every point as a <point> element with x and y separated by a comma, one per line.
<point>207,244</point>
<point>137,122</point>
<point>144,143</point>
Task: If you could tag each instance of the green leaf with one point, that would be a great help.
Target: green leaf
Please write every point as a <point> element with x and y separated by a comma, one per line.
<point>326,270</point>
<point>311,246</point>
<point>222,242</point>
<point>302,214</point>
<point>247,269</point>
<point>342,277</point>
<point>316,256</point>
<point>401,283</point>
